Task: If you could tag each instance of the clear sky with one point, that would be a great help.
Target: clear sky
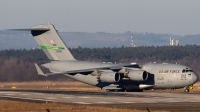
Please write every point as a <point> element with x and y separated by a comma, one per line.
<point>180,17</point>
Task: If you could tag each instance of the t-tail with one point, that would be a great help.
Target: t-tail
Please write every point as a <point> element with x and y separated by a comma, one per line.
<point>50,42</point>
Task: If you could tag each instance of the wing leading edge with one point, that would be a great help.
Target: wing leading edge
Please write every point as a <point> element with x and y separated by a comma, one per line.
<point>87,71</point>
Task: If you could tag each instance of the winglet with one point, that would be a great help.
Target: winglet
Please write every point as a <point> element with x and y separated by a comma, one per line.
<point>40,72</point>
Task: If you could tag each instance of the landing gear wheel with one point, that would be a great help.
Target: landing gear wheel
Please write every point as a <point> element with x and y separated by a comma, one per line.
<point>121,90</point>
<point>107,90</point>
<point>129,91</point>
<point>187,90</point>
<point>139,90</point>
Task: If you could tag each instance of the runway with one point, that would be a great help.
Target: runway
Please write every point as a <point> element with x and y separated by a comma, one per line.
<point>153,101</point>
<point>82,97</point>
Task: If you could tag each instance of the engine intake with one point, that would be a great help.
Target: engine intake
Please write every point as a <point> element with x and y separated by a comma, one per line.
<point>138,75</point>
<point>110,77</point>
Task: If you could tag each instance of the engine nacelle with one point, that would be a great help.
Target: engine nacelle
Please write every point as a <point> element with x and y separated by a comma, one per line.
<point>110,77</point>
<point>138,75</point>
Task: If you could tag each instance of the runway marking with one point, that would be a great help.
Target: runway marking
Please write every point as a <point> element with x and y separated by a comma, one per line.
<point>24,94</point>
<point>84,97</point>
<point>48,100</point>
<point>103,102</point>
<point>148,101</point>
<point>174,100</point>
<point>10,94</point>
<point>148,96</point>
<point>36,99</point>
<point>39,94</point>
<point>193,101</point>
<point>82,102</point>
<point>51,98</point>
<point>16,97</point>
<point>66,97</point>
<point>152,93</point>
<point>125,102</point>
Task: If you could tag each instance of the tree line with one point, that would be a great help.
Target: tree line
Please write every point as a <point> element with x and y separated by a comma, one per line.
<point>18,65</point>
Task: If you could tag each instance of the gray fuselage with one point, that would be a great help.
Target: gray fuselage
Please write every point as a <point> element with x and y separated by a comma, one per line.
<point>163,76</point>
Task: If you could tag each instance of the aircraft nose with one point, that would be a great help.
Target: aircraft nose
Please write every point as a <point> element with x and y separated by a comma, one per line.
<point>194,78</point>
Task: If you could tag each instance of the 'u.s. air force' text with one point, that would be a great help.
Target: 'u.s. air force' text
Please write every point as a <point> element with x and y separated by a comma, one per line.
<point>169,71</point>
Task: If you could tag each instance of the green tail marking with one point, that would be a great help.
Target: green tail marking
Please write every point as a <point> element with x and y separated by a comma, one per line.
<point>52,47</point>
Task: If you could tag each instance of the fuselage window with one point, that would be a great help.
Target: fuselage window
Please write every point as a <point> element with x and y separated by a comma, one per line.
<point>190,71</point>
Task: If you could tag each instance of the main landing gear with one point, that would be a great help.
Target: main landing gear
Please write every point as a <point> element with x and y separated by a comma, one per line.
<point>137,90</point>
<point>123,90</point>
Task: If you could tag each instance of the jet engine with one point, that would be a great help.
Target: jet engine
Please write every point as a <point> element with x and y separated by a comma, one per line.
<point>137,75</point>
<point>110,77</point>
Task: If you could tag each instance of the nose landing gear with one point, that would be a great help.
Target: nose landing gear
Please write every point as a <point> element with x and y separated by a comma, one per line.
<point>188,88</point>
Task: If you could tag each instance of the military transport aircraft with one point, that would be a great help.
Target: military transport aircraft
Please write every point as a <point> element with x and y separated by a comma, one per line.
<point>108,76</point>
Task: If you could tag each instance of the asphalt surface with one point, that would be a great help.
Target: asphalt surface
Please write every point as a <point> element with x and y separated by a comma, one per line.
<point>139,100</point>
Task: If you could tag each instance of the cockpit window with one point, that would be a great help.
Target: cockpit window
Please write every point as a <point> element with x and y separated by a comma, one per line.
<point>186,70</point>
<point>190,71</point>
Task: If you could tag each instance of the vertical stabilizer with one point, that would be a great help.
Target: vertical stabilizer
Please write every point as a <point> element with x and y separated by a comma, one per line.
<point>50,42</point>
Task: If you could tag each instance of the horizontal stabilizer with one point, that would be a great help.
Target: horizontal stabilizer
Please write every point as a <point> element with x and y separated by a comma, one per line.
<point>40,72</point>
<point>31,29</point>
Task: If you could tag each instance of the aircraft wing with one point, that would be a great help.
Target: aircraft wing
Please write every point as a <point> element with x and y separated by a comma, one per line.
<point>87,71</point>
